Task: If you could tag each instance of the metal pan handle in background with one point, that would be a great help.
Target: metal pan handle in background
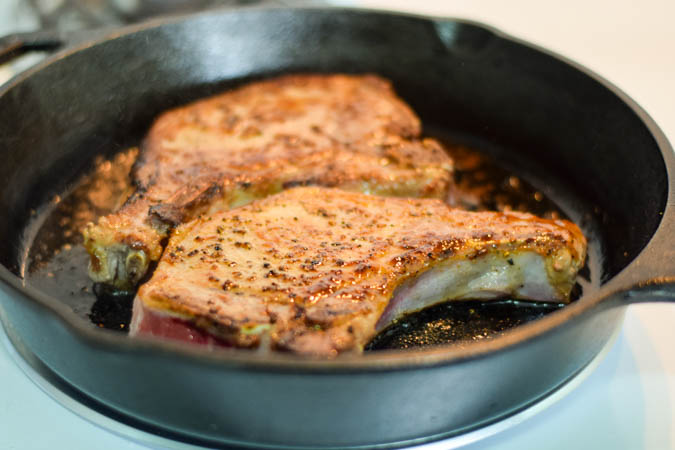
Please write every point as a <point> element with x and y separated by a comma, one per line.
<point>14,45</point>
<point>17,44</point>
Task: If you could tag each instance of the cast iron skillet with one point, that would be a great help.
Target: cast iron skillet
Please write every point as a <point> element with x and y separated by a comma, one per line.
<point>580,135</point>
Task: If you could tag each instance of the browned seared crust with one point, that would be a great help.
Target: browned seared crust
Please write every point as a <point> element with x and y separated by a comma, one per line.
<point>344,131</point>
<point>316,267</point>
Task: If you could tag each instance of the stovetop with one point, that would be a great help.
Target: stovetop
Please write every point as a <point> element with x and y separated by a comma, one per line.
<point>627,401</point>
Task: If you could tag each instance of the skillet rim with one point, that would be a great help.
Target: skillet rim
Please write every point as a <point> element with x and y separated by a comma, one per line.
<point>384,360</point>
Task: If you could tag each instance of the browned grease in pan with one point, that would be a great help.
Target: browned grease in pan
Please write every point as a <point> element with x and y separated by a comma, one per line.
<point>483,185</point>
<point>58,263</point>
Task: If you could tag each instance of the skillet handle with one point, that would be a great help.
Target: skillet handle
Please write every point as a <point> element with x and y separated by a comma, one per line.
<point>15,45</point>
<point>651,277</point>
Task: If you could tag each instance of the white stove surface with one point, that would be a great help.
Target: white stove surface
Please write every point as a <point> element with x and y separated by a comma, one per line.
<point>627,402</point>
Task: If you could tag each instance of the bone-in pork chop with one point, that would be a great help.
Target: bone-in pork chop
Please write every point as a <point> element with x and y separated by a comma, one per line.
<point>319,271</point>
<point>349,132</point>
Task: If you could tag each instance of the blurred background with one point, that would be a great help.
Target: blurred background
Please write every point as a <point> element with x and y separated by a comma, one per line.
<point>78,14</point>
<point>71,15</point>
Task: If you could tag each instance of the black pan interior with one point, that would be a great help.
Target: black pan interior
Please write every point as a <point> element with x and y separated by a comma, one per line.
<point>545,121</point>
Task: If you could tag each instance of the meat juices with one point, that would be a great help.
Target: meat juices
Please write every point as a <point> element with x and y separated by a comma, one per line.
<point>344,131</point>
<point>320,271</point>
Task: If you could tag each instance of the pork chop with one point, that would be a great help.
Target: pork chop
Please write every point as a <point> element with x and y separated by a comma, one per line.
<point>320,271</point>
<point>344,131</point>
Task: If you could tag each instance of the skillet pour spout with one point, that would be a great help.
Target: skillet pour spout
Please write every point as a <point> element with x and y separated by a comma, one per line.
<point>569,132</point>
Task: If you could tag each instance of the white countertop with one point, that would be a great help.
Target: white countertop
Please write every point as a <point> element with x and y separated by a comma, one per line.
<point>627,402</point>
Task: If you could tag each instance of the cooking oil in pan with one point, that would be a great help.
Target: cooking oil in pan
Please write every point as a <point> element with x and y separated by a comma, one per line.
<point>57,261</point>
